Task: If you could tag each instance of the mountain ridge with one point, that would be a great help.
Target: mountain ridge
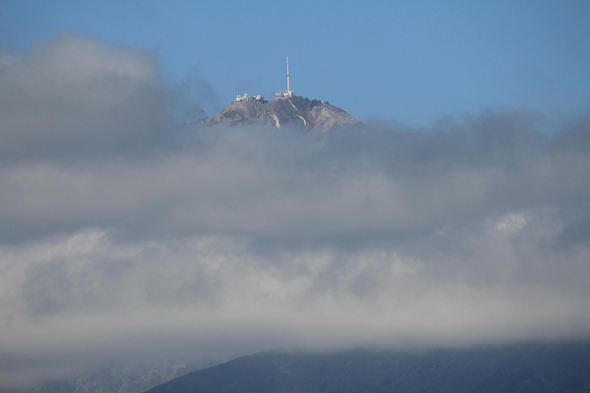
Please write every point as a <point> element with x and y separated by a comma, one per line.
<point>529,368</point>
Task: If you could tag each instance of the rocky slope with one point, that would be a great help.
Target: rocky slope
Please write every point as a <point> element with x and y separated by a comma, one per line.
<point>295,111</point>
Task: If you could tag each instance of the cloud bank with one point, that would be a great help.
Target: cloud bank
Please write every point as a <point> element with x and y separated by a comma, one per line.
<point>124,236</point>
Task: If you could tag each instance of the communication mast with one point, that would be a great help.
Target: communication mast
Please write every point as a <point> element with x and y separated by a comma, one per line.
<point>285,93</point>
<point>288,91</point>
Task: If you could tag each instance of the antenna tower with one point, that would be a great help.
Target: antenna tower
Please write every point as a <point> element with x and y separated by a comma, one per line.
<point>288,91</point>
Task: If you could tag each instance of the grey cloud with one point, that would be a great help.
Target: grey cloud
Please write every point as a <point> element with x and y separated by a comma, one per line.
<point>289,186</point>
<point>76,96</point>
<point>233,240</point>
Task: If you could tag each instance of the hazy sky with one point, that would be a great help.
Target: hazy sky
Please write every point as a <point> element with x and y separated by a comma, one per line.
<point>406,61</point>
<point>125,235</point>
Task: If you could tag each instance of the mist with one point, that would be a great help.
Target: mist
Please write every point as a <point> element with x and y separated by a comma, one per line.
<point>126,235</point>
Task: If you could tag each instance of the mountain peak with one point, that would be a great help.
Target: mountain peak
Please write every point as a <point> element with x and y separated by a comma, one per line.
<point>285,109</point>
<point>289,111</point>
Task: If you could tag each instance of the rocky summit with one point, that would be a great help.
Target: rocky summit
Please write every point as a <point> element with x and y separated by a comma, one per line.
<point>292,111</point>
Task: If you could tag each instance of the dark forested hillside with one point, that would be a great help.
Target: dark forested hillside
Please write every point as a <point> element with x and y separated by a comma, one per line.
<point>533,368</point>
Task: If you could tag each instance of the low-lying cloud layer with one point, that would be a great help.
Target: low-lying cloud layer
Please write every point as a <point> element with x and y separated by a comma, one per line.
<point>123,236</point>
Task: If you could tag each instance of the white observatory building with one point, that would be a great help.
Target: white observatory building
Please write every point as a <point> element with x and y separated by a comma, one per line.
<point>280,94</point>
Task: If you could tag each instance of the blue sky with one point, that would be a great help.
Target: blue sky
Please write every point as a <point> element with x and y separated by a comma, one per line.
<point>407,61</point>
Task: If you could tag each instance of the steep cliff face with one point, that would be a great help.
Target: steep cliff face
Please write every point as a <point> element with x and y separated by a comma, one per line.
<point>295,111</point>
